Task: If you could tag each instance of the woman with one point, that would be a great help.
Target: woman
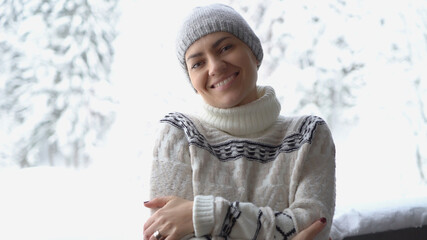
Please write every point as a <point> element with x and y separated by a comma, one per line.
<point>238,170</point>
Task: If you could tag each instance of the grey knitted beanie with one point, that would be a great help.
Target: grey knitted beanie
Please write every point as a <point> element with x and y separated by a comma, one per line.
<point>215,18</point>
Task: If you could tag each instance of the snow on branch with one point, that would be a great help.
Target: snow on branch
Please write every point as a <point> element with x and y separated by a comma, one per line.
<point>56,98</point>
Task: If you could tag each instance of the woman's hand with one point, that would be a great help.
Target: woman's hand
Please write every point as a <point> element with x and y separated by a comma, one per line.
<point>311,232</point>
<point>173,220</point>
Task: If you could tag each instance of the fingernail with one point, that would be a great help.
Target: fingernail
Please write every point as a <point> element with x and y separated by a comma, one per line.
<point>146,202</point>
<point>323,220</point>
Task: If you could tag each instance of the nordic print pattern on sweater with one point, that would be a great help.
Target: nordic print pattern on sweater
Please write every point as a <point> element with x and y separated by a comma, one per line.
<point>235,149</point>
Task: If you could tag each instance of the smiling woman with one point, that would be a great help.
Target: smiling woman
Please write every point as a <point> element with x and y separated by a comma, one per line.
<point>238,170</point>
<point>223,70</point>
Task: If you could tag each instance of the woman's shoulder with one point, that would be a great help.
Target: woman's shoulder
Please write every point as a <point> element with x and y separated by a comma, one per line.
<point>304,125</point>
<point>180,120</point>
<point>300,120</point>
<point>178,123</point>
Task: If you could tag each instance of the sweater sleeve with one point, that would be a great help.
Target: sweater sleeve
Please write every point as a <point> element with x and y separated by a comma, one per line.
<point>311,196</point>
<point>312,192</point>
<point>171,168</point>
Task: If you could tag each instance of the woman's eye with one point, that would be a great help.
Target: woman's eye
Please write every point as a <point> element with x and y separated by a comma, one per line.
<point>196,65</point>
<point>228,47</point>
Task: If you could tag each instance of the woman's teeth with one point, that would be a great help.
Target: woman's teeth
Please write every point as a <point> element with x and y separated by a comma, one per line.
<point>224,82</point>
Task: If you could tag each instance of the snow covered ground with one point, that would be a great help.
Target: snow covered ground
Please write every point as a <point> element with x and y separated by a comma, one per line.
<point>393,213</point>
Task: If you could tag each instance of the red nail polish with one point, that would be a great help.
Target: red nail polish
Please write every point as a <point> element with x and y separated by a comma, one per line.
<point>323,220</point>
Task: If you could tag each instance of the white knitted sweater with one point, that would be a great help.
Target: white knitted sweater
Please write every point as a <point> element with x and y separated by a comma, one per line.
<point>251,173</point>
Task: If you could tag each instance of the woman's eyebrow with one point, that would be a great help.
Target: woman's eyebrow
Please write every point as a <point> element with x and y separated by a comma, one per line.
<point>219,41</point>
<point>194,55</point>
<point>214,45</point>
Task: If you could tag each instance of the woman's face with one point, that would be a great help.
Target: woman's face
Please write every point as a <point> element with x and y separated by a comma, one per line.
<point>223,70</point>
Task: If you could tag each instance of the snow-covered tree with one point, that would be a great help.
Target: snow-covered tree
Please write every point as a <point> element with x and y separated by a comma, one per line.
<point>307,35</point>
<point>420,126</point>
<point>418,115</point>
<point>55,99</point>
<point>323,54</point>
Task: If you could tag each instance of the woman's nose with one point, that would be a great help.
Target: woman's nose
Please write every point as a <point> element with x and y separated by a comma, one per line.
<point>216,66</point>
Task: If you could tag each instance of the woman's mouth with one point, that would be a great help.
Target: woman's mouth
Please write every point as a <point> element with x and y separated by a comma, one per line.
<point>225,81</point>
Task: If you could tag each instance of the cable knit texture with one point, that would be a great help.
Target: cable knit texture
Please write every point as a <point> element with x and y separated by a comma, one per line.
<point>251,173</point>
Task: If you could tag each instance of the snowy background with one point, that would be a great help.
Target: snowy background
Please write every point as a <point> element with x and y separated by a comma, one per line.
<point>77,129</point>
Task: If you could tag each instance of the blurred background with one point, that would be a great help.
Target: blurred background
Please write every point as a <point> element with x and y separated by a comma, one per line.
<point>84,83</point>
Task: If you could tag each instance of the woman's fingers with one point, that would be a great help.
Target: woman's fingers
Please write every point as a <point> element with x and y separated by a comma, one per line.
<point>173,219</point>
<point>316,228</point>
<point>311,232</point>
<point>156,225</point>
<point>150,234</point>
<point>158,202</point>
<point>148,223</point>
<point>149,226</point>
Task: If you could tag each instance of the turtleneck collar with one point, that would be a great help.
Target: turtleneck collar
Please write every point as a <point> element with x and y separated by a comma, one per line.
<point>246,119</point>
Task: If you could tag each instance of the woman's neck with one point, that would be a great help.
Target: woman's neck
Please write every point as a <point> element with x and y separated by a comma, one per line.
<point>246,119</point>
